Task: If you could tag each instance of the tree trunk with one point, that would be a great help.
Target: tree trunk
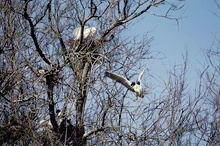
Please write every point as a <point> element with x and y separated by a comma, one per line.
<point>80,105</point>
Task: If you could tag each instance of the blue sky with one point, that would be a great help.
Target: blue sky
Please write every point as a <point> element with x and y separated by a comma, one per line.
<point>195,33</point>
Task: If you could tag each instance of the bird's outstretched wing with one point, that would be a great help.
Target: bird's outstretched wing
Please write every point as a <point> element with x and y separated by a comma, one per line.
<point>120,79</point>
<point>141,73</point>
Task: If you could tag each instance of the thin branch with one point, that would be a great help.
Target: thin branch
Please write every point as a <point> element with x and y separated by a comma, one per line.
<point>95,131</point>
<point>33,35</point>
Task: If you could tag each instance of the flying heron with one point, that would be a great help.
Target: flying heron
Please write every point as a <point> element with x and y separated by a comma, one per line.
<point>132,86</point>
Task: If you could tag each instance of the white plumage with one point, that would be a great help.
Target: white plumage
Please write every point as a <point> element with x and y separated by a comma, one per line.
<point>132,86</point>
<point>88,32</point>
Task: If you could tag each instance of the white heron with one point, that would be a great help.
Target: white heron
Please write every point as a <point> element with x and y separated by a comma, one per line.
<point>132,86</point>
<point>88,32</point>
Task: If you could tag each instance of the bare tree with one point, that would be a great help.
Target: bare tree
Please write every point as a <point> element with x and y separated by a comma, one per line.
<point>207,117</point>
<point>53,89</point>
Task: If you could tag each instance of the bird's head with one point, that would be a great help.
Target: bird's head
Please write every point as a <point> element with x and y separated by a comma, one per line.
<point>141,95</point>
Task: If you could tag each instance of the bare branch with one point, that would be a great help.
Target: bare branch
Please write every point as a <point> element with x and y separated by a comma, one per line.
<point>34,37</point>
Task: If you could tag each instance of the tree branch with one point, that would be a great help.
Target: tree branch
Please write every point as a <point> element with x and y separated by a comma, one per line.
<point>34,37</point>
<point>94,131</point>
<point>50,84</point>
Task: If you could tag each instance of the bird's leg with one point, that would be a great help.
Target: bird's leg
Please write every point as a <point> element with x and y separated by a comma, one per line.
<point>135,99</point>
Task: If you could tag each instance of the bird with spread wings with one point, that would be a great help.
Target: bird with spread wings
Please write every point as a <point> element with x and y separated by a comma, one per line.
<point>132,86</point>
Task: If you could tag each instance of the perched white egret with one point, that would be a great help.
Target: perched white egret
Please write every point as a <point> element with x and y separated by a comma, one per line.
<point>88,32</point>
<point>132,86</point>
